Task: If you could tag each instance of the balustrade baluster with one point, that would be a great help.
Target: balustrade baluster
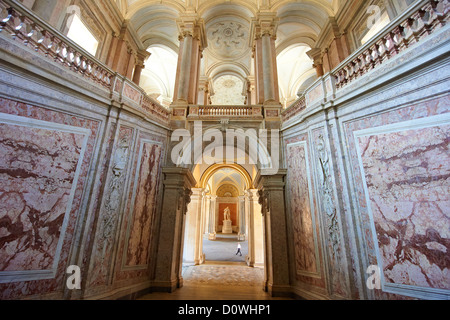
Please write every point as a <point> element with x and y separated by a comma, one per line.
<point>17,25</point>
<point>410,31</point>
<point>28,32</point>
<point>5,17</point>
<point>38,38</point>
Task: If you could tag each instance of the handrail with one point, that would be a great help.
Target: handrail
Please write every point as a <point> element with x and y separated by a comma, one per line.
<point>418,21</point>
<point>219,111</point>
<point>237,111</point>
<point>43,38</point>
<point>24,25</point>
<point>295,108</point>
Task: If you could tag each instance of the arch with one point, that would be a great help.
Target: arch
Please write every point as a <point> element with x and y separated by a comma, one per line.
<point>228,68</point>
<point>263,157</point>
<point>207,6</point>
<point>320,5</point>
<point>227,187</point>
<point>306,39</point>
<point>216,167</point>
<point>159,40</point>
<point>140,5</point>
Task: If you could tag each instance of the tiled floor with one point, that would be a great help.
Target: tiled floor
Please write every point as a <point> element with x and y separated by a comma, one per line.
<point>218,281</point>
<point>224,276</point>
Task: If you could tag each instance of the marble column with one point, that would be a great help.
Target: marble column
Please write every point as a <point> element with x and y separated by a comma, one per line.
<point>242,224</point>
<point>192,43</point>
<point>264,29</point>
<point>316,55</point>
<point>184,74</point>
<point>255,230</point>
<point>205,214</point>
<point>121,58</point>
<point>178,183</point>
<point>271,197</point>
<point>141,57</point>
<point>193,236</point>
<point>212,219</point>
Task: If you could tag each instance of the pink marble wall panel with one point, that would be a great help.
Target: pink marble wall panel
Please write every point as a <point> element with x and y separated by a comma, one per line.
<point>145,205</point>
<point>300,206</point>
<point>43,160</point>
<point>130,256</point>
<point>306,278</point>
<point>415,112</point>
<point>407,175</point>
<point>316,93</point>
<point>37,172</point>
<point>131,93</point>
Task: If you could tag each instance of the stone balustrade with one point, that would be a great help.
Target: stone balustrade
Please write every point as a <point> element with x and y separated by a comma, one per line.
<point>411,27</point>
<point>226,111</point>
<point>297,107</point>
<point>24,26</point>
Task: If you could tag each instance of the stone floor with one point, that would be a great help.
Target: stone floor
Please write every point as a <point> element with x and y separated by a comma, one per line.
<point>224,276</point>
<point>218,281</point>
<point>224,248</point>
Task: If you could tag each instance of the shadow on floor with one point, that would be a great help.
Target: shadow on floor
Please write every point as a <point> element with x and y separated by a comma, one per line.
<point>224,248</point>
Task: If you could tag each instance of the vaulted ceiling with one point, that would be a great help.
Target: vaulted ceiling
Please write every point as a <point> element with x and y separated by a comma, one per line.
<point>228,31</point>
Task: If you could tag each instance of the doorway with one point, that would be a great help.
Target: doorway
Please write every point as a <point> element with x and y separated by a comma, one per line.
<point>224,213</point>
<point>225,249</point>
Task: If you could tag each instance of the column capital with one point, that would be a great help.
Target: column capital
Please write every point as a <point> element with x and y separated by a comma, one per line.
<point>265,24</point>
<point>142,56</point>
<point>197,193</point>
<point>252,194</point>
<point>178,178</point>
<point>315,54</point>
<point>271,181</point>
<point>268,185</point>
<point>191,25</point>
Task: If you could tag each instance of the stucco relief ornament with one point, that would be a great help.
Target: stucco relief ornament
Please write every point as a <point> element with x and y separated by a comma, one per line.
<point>112,201</point>
<point>184,198</point>
<point>263,200</point>
<point>327,196</point>
<point>227,39</point>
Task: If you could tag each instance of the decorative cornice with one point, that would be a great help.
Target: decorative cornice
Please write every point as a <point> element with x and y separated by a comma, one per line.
<point>265,24</point>
<point>190,25</point>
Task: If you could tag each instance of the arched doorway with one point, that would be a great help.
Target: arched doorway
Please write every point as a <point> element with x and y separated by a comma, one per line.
<point>222,188</point>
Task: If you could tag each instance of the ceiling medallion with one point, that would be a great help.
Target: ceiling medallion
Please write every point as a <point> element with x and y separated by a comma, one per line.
<point>228,39</point>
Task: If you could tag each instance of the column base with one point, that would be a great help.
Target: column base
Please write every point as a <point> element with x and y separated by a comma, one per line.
<point>283,291</point>
<point>250,263</point>
<point>167,286</point>
<point>241,237</point>
<point>212,236</point>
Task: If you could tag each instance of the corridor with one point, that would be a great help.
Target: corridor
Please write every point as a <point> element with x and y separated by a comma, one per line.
<point>219,281</point>
<point>224,248</point>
